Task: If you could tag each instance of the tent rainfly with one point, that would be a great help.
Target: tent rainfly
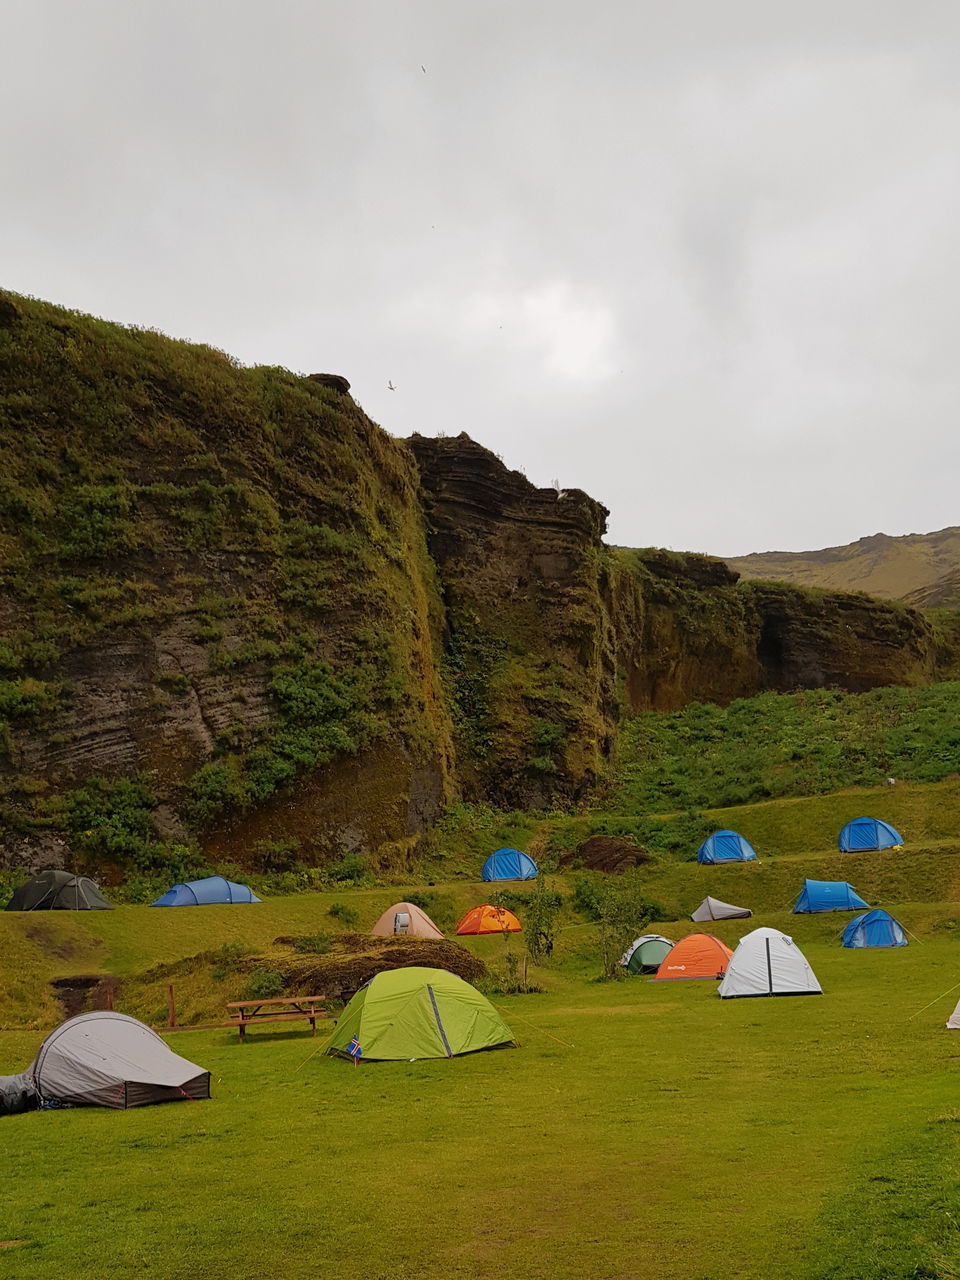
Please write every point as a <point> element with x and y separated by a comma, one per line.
<point>698,955</point>
<point>714,909</point>
<point>646,953</point>
<point>827,895</point>
<point>408,919</point>
<point>58,891</point>
<point>875,929</point>
<point>953,1022</point>
<point>866,834</point>
<point>212,891</point>
<point>726,846</point>
<point>418,1013</point>
<point>487,919</point>
<point>768,963</point>
<point>104,1060</point>
<point>509,864</point>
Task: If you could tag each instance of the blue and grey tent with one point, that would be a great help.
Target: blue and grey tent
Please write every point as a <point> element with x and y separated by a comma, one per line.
<point>212,891</point>
<point>509,864</point>
<point>828,895</point>
<point>726,846</point>
<point>875,929</point>
<point>866,834</point>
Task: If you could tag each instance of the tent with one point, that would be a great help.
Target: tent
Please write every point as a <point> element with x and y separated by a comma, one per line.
<point>827,895</point>
<point>509,864</point>
<point>418,1013</point>
<point>875,929</point>
<point>408,919</point>
<point>768,963</point>
<point>105,1060</point>
<point>58,891</point>
<point>487,919</point>
<point>698,955</point>
<point>212,891</point>
<point>646,953</point>
<point>953,1022</point>
<point>726,846</point>
<point>866,834</point>
<point>714,909</point>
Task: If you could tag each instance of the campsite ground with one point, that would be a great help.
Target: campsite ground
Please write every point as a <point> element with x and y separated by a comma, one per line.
<point>642,1130</point>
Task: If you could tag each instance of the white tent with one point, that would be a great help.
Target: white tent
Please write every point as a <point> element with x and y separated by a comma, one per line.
<point>714,909</point>
<point>768,963</point>
<point>953,1022</point>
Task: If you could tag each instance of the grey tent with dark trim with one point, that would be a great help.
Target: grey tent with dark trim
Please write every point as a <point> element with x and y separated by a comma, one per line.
<point>58,891</point>
<point>104,1059</point>
<point>714,909</point>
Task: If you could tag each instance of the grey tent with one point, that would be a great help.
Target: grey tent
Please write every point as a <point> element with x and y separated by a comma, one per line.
<point>105,1060</point>
<point>714,909</point>
<point>58,891</point>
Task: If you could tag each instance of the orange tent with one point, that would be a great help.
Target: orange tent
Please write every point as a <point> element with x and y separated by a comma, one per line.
<point>698,955</point>
<point>487,919</point>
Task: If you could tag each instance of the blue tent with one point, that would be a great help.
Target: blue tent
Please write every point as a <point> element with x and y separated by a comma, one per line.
<point>867,833</point>
<point>509,864</point>
<point>205,893</point>
<point>726,846</point>
<point>828,895</point>
<point>875,929</point>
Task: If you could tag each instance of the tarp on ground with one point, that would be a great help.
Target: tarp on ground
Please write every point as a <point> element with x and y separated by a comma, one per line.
<point>698,955</point>
<point>726,846</point>
<point>408,919</point>
<point>58,891</point>
<point>866,834</point>
<point>714,909</point>
<point>768,963</point>
<point>828,895</point>
<point>509,864</point>
<point>210,892</point>
<point>488,919</point>
<point>875,929</point>
<point>418,1013</point>
<point>646,953</point>
<point>17,1094</point>
<point>106,1059</point>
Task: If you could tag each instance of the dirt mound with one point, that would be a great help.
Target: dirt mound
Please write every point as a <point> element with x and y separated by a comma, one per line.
<point>354,959</point>
<point>607,853</point>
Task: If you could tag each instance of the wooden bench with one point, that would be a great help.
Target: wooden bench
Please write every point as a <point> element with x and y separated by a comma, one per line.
<point>246,1013</point>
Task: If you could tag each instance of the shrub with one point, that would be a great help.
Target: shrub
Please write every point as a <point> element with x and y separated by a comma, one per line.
<point>345,914</point>
<point>315,944</point>
<point>540,921</point>
<point>229,959</point>
<point>263,984</point>
<point>350,869</point>
<point>620,908</point>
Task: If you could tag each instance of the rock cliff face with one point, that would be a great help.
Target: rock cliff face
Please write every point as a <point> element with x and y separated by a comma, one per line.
<point>239,617</point>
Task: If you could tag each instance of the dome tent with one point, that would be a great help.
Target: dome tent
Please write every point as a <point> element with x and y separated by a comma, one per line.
<point>418,1013</point>
<point>714,909</point>
<point>698,955</point>
<point>406,918</point>
<point>768,963</point>
<point>866,834</point>
<point>726,846</point>
<point>488,919</point>
<point>509,864</point>
<point>212,891</point>
<point>58,891</point>
<point>827,895</point>
<point>875,929</point>
<point>107,1060</point>
<point>646,953</point>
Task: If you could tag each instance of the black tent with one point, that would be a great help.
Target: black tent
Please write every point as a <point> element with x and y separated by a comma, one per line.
<point>58,891</point>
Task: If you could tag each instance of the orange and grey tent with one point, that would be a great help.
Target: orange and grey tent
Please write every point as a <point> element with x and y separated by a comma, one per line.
<point>487,919</point>
<point>408,919</point>
<point>698,955</point>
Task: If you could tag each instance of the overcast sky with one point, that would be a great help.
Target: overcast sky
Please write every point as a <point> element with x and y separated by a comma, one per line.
<point>697,257</point>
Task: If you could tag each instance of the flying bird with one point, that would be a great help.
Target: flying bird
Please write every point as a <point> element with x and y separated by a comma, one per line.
<point>390,385</point>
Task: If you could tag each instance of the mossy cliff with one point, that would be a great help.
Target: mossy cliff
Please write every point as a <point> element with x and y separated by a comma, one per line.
<point>240,618</point>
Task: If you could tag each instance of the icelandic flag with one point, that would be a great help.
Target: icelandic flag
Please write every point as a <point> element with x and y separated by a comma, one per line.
<point>354,1050</point>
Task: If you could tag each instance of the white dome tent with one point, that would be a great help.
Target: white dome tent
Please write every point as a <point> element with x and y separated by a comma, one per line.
<point>768,963</point>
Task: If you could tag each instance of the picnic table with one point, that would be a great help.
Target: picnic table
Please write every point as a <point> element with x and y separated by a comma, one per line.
<point>246,1013</point>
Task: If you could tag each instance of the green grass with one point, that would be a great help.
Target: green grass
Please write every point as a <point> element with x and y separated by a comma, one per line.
<point>672,1135</point>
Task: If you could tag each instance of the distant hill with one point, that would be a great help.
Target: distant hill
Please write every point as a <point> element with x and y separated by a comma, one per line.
<point>921,568</point>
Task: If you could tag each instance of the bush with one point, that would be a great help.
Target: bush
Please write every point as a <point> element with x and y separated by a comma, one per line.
<point>350,869</point>
<point>229,958</point>
<point>620,908</point>
<point>263,984</point>
<point>344,913</point>
<point>315,944</point>
<point>540,921</point>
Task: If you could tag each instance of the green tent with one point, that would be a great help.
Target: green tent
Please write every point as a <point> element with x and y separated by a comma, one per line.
<point>418,1013</point>
<point>646,954</point>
